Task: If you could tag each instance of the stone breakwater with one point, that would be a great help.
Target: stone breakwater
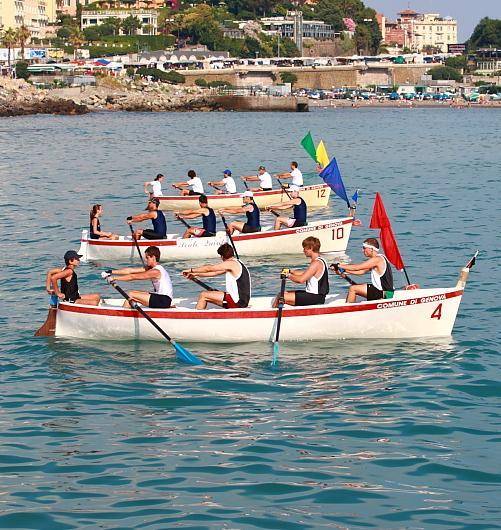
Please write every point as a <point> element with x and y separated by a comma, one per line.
<point>18,97</point>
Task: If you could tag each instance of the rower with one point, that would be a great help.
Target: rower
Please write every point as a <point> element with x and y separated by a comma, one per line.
<point>162,296</point>
<point>299,212</point>
<point>95,231</point>
<point>154,187</point>
<point>249,207</point>
<point>193,183</point>
<point>294,174</point>
<point>68,290</point>
<point>227,181</point>
<point>263,177</point>
<point>316,278</point>
<point>208,219</point>
<point>380,269</point>
<point>238,281</point>
<point>157,218</point>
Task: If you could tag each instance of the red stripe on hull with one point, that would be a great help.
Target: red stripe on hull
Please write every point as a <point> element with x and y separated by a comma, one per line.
<point>242,313</point>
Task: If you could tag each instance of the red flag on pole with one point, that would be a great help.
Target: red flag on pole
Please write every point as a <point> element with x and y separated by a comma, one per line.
<point>380,220</point>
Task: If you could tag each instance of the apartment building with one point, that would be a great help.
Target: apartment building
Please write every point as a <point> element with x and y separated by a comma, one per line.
<point>34,14</point>
<point>147,17</point>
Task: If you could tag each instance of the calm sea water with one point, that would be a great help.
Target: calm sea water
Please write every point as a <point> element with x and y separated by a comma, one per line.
<point>352,434</point>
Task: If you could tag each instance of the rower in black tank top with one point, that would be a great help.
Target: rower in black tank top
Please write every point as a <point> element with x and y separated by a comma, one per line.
<point>300,213</point>
<point>70,288</point>
<point>209,223</point>
<point>93,235</point>
<point>253,223</point>
<point>244,286</point>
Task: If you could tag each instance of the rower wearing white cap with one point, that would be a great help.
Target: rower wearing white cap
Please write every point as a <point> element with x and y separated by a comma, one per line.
<point>227,181</point>
<point>299,213</point>
<point>294,174</point>
<point>379,267</point>
<point>264,179</point>
<point>253,223</point>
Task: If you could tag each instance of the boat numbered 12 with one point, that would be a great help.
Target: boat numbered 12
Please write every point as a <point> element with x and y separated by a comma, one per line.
<point>315,196</point>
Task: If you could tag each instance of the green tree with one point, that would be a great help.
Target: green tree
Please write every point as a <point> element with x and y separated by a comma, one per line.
<point>76,39</point>
<point>445,72</point>
<point>288,77</point>
<point>200,25</point>
<point>116,24</point>
<point>367,33</point>
<point>23,35</point>
<point>92,34</point>
<point>22,70</point>
<point>64,33</point>
<point>486,33</point>
<point>9,40</point>
<point>200,82</point>
<point>131,25</point>
<point>459,62</point>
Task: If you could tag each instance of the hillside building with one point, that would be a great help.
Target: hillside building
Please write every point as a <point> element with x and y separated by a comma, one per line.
<point>34,14</point>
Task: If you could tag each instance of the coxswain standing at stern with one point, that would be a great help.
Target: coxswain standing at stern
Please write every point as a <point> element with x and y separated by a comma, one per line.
<point>238,281</point>
<point>253,223</point>
<point>377,264</point>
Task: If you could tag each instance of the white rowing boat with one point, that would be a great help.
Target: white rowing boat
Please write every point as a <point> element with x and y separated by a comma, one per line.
<point>315,196</point>
<point>333,235</point>
<point>410,314</point>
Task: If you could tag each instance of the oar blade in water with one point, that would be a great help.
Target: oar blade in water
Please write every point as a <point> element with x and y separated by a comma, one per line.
<point>185,355</point>
<point>276,351</point>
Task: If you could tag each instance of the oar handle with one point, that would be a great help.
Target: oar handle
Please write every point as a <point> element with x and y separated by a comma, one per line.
<point>245,184</point>
<point>339,270</point>
<point>202,284</point>
<point>183,221</point>
<point>273,212</point>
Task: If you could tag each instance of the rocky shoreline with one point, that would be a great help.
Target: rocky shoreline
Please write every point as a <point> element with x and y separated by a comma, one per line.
<point>18,98</point>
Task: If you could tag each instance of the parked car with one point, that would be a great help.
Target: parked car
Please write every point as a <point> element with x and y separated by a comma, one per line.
<point>394,96</point>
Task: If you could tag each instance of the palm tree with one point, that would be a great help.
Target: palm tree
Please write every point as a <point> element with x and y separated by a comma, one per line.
<point>9,40</point>
<point>76,39</point>
<point>23,34</point>
<point>116,23</point>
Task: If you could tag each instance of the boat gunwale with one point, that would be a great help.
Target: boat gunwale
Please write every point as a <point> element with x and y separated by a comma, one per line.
<point>239,313</point>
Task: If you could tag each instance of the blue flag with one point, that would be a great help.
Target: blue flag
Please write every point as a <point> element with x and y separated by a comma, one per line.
<point>332,176</point>
<point>354,197</point>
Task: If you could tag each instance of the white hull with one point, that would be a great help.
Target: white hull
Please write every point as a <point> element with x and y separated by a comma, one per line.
<point>414,314</point>
<point>315,196</point>
<point>333,234</point>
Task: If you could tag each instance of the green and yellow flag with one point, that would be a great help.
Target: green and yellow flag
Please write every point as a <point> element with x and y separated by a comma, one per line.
<point>321,154</point>
<point>309,146</point>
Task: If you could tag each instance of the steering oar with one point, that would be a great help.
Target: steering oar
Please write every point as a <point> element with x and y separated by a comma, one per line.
<point>182,353</point>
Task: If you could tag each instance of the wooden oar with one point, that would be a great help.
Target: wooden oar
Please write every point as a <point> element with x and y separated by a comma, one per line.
<point>229,235</point>
<point>281,302</point>
<point>138,249</point>
<point>342,273</point>
<point>202,284</point>
<point>48,328</point>
<point>284,188</point>
<point>182,353</point>
<point>183,221</point>
<point>245,184</point>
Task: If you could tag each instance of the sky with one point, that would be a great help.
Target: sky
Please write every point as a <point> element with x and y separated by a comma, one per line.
<point>467,12</point>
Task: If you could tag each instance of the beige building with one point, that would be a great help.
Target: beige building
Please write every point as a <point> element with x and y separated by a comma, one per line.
<point>34,14</point>
<point>147,17</point>
<point>433,30</point>
<point>422,30</point>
